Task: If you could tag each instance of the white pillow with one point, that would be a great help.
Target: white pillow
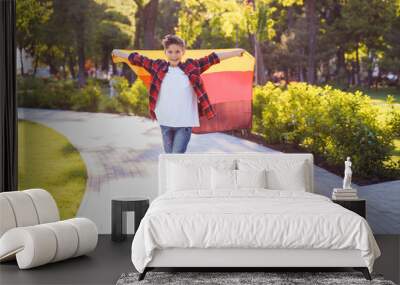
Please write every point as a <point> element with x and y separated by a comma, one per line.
<point>223,179</point>
<point>187,175</point>
<point>256,178</point>
<point>184,177</point>
<point>281,174</point>
<point>293,180</point>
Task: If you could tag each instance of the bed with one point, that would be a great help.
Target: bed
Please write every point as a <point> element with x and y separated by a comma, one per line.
<point>245,210</point>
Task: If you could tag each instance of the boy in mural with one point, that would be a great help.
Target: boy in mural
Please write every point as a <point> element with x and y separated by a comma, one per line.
<point>177,94</point>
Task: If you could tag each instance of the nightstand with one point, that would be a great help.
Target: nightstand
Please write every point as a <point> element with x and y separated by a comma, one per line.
<point>358,206</point>
<point>119,207</point>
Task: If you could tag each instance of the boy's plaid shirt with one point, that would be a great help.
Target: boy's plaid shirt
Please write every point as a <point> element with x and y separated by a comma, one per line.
<point>192,68</point>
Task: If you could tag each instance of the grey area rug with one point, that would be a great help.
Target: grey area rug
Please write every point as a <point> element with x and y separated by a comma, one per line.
<point>229,278</point>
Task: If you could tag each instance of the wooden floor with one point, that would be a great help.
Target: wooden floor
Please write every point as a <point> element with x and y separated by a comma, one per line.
<point>111,259</point>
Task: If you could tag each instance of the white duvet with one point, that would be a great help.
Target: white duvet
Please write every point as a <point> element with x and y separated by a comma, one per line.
<point>252,218</point>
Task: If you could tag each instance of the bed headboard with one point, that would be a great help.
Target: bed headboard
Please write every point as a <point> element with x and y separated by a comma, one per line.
<point>209,157</point>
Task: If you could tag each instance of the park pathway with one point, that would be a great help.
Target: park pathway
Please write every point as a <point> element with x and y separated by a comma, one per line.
<point>121,157</point>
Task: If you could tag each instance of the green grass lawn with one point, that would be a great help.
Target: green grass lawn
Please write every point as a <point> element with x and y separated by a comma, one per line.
<point>379,98</point>
<point>46,159</point>
<point>396,152</point>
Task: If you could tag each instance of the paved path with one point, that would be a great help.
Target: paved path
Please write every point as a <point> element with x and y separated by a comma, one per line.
<point>121,156</point>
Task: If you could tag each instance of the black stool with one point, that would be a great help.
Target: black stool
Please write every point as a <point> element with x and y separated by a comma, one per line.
<point>119,207</point>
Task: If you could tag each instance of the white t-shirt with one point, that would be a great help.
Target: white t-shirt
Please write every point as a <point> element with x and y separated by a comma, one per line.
<point>177,102</point>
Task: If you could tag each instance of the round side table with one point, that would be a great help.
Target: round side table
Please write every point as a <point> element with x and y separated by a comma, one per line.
<point>119,207</point>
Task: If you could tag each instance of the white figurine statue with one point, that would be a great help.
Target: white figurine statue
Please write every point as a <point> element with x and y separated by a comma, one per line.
<point>347,174</point>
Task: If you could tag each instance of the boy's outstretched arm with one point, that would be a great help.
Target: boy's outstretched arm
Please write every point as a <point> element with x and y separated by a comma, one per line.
<point>228,54</point>
<point>207,61</point>
<point>136,58</point>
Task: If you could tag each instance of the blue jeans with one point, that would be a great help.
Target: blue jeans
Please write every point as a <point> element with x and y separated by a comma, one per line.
<point>175,139</point>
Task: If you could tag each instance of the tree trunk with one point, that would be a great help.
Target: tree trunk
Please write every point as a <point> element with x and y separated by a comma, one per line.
<point>22,61</point>
<point>139,24</point>
<point>327,72</point>
<point>81,58</point>
<point>352,76</point>
<point>304,73</point>
<point>357,71</point>
<point>149,24</point>
<point>71,64</point>
<point>114,68</point>
<point>341,70</point>
<point>36,65</point>
<point>290,19</point>
<point>49,60</point>
<point>53,69</point>
<point>64,70</point>
<point>299,75</point>
<point>312,33</point>
<point>237,36</point>
<point>340,61</point>
<point>256,75</point>
<point>300,68</point>
<point>260,69</point>
<point>349,73</point>
<point>105,60</point>
<point>287,76</point>
<point>260,77</point>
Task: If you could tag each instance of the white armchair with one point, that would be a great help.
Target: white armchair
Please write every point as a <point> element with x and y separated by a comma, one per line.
<point>31,231</point>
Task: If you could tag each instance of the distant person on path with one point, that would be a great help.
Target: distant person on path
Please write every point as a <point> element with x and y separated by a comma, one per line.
<point>177,95</point>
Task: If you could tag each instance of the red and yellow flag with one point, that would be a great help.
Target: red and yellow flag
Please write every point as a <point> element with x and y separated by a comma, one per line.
<point>228,84</point>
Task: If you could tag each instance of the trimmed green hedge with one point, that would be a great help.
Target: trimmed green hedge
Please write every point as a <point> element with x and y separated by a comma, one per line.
<point>44,93</point>
<point>133,99</point>
<point>328,122</point>
<point>50,93</point>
